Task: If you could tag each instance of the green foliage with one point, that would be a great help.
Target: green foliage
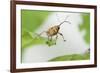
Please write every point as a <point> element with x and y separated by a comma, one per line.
<point>86,25</point>
<point>72,57</point>
<point>35,39</point>
<point>31,20</point>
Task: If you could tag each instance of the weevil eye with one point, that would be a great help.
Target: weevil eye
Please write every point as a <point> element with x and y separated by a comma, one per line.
<point>58,27</point>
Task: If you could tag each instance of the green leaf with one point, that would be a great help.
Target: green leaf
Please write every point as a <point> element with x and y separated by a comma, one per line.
<point>72,57</point>
<point>34,39</point>
<point>86,26</point>
<point>31,20</point>
<point>31,39</point>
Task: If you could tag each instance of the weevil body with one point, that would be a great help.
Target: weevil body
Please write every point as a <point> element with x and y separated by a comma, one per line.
<point>54,31</point>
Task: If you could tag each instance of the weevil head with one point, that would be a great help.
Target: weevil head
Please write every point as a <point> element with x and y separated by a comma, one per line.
<point>57,27</point>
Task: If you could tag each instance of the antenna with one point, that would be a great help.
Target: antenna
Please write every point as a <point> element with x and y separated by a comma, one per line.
<point>65,21</point>
<point>57,17</point>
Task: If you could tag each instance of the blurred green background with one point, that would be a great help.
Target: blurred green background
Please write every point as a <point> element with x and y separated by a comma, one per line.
<point>31,20</point>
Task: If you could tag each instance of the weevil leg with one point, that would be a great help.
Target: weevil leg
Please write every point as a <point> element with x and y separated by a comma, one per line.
<point>62,36</point>
<point>50,38</point>
<point>39,35</point>
<point>56,39</point>
<point>42,33</point>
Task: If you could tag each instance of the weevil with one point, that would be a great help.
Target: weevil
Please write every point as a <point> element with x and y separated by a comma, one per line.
<point>54,31</point>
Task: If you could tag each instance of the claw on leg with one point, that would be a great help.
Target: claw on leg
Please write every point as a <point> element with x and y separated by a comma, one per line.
<point>62,36</point>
